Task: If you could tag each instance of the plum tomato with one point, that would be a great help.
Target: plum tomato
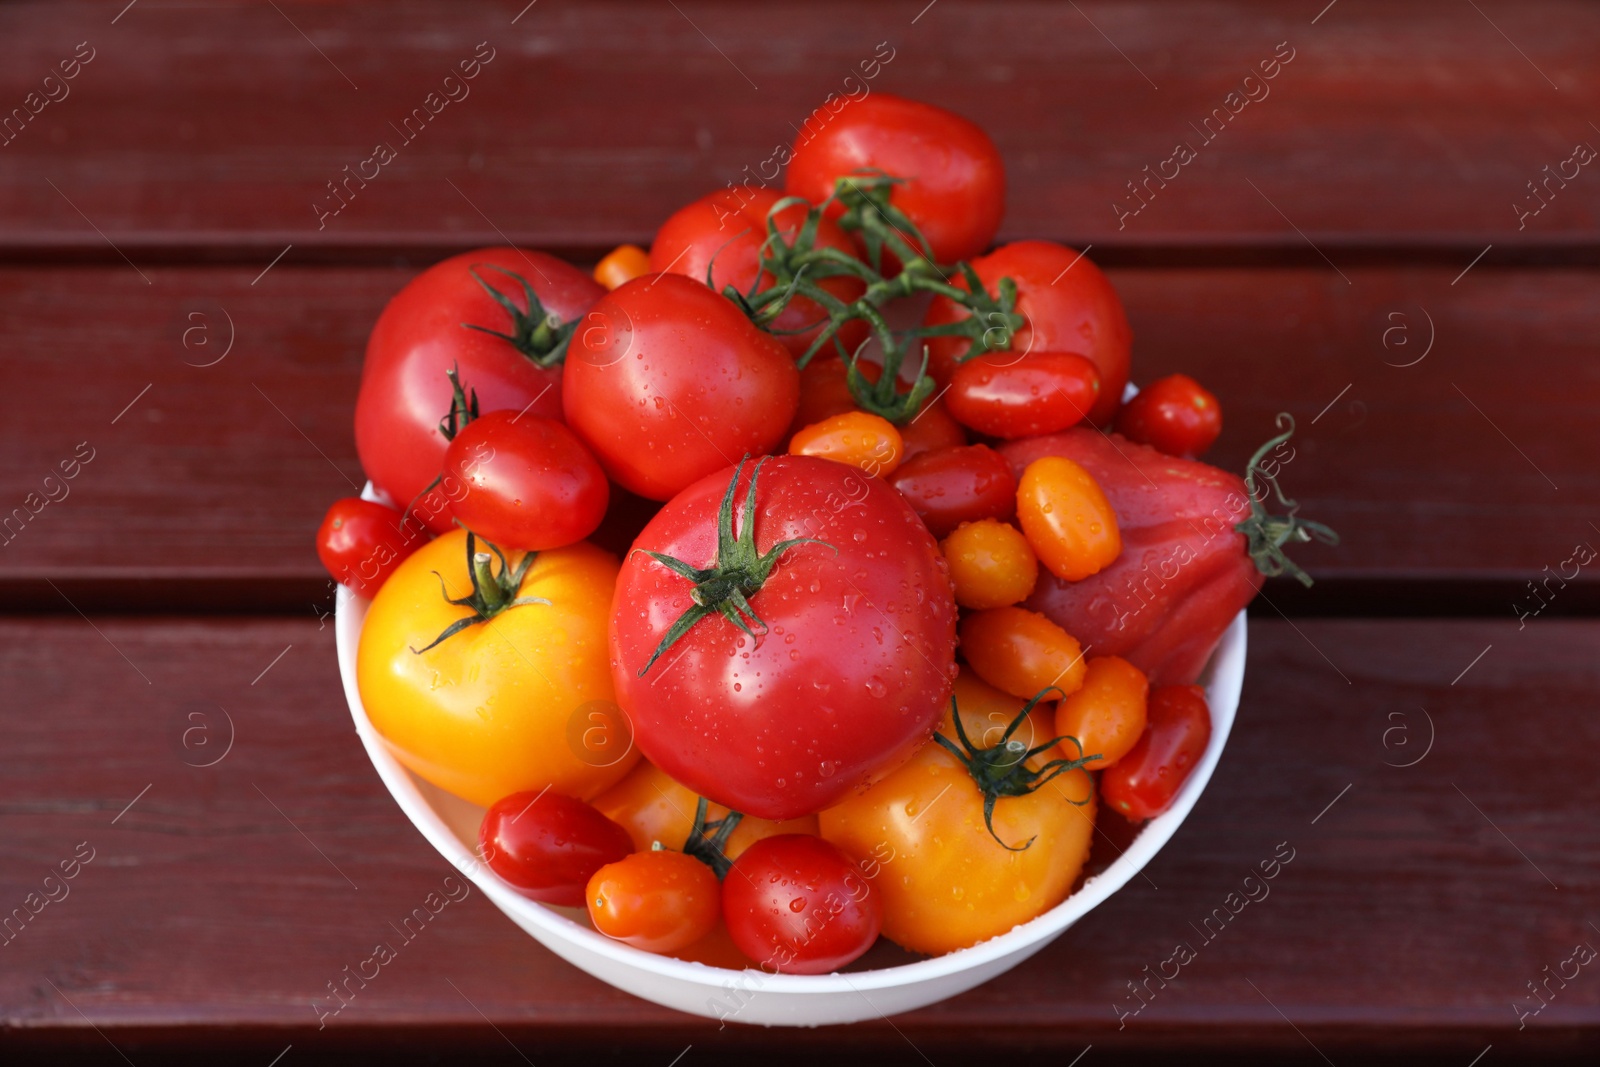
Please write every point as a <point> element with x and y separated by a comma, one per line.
<point>721,235</point>
<point>547,846</point>
<point>1107,713</point>
<point>623,263</point>
<point>1067,519</point>
<point>990,563</point>
<point>498,315</point>
<point>1005,395</point>
<point>798,905</point>
<point>1021,652</point>
<point>530,484</point>
<point>1068,305</point>
<point>658,900</point>
<point>667,381</point>
<point>958,862</point>
<point>361,543</point>
<point>950,486</point>
<point>869,443</point>
<point>655,809</point>
<point>1143,783</point>
<point>776,664</point>
<point>1175,415</point>
<point>953,181</point>
<point>520,702</point>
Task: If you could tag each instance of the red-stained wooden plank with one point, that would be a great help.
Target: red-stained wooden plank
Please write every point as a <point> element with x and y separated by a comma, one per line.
<point>1417,907</point>
<point>1415,126</point>
<point>1469,472</point>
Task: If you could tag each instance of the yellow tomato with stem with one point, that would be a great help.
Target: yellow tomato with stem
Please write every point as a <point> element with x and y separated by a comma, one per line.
<point>518,696</point>
<point>969,838</point>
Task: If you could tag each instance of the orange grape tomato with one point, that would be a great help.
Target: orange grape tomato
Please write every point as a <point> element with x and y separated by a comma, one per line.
<point>869,442</point>
<point>1106,715</point>
<point>653,807</point>
<point>1067,518</point>
<point>1021,652</point>
<point>990,564</point>
<point>658,900</point>
<point>622,264</point>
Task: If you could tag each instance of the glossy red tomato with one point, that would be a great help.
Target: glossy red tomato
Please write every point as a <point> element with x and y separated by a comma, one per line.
<point>361,543</point>
<point>1007,394</point>
<point>1178,728</point>
<point>1069,306</point>
<point>529,482</point>
<point>798,905</point>
<point>955,485</point>
<point>955,182</point>
<point>668,381</point>
<point>724,233</point>
<point>547,846</point>
<point>840,663</point>
<point>1174,414</point>
<point>423,333</point>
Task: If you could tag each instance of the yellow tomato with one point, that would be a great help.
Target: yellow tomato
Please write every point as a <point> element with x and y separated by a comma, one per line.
<point>1106,715</point>
<point>858,438</point>
<point>1021,652</point>
<point>991,565</point>
<point>1067,518</point>
<point>522,701</point>
<point>622,264</point>
<point>652,807</point>
<point>947,883</point>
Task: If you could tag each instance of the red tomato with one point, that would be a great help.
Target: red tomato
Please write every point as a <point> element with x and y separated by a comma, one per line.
<point>547,846</point>
<point>955,182</point>
<point>1173,414</point>
<point>724,233</point>
<point>798,905</point>
<point>956,485</point>
<point>841,659</point>
<point>530,483</point>
<point>1069,306</point>
<point>1142,784</point>
<point>1004,395</point>
<point>668,381</point>
<point>422,333</point>
<point>361,543</point>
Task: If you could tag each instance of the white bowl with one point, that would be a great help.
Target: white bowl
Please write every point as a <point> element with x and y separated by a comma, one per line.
<point>752,996</point>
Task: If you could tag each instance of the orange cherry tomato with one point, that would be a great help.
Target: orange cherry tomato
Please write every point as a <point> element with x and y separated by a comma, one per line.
<point>622,264</point>
<point>1106,715</point>
<point>1021,652</point>
<point>1067,518</point>
<point>659,900</point>
<point>869,442</point>
<point>825,391</point>
<point>990,564</point>
<point>652,807</point>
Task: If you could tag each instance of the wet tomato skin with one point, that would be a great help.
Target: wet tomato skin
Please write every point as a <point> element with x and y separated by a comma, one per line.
<point>1143,783</point>
<point>361,543</point>
<point>1175,415</point>
<point>797,904</point>
<point>950,486</point>
<point>530,484</point>
<point>1005,396</point>
<point>547,846</point>
<point>660,900</point>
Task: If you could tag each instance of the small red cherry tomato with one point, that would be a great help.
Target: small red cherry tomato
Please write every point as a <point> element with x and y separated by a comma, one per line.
<point>529,482</point>
<point>797,904</point>
<point>1142,784</point>
<point>955,485</point>
<point>361,543</point>
<point>659,900</point>
<point>547,846</point>
<point>1004,395</point>
<point>1174,414</point>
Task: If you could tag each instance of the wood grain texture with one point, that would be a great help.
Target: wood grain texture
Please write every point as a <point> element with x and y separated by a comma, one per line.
<point>1471,470</point>
<point>1411,916</point>
<point>211,131</point>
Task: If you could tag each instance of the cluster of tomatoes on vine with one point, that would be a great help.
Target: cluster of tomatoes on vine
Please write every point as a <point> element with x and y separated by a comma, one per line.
<point>883,633</point>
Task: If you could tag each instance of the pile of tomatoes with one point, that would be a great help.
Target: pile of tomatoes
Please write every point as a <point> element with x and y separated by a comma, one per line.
<point>906,592</point>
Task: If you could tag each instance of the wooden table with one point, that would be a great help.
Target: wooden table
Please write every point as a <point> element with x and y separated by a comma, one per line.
<point>1348,249</point>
